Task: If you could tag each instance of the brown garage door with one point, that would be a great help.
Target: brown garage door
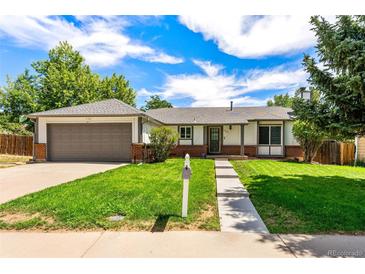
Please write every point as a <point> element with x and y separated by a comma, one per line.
<point>89,142</point>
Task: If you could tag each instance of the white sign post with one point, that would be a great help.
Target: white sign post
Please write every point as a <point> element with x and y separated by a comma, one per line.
<point>186,174</point>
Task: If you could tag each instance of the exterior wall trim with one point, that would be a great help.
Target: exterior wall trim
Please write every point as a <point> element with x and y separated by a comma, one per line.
<point>242,139</point>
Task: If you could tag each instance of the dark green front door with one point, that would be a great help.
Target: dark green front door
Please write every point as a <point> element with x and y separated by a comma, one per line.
<point>214,139</point>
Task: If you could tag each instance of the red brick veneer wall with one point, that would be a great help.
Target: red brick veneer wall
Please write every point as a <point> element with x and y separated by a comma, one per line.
<point>231,150</point>
<point>40,152</point>
<point>195,151</point>
<point>250,151</point>
<point>137,153</point>
<point>293,151</point>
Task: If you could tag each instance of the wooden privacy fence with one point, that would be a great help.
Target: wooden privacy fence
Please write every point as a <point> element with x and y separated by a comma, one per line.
<point>332,152</point>
<point>15,144</point>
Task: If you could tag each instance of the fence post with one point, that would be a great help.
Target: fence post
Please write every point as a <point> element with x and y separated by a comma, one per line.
<point>341,153</point>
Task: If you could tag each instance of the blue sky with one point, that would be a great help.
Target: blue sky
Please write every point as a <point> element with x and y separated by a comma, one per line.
<point>189,60</point>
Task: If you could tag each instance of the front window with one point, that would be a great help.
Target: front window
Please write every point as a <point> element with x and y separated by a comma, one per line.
<point>270,135</point>
<point>185,132</point>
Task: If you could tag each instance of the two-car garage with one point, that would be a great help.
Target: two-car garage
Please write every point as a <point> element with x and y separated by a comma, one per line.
<point>97,132</point>
<point>89,141</point>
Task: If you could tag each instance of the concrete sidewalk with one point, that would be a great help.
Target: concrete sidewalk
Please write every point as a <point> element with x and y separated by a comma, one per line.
<point>177,244</point>
<point>182,244</point>
<point>236,211</point>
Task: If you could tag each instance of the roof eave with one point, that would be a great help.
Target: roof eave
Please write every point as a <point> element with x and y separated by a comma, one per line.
<point>31,116</point>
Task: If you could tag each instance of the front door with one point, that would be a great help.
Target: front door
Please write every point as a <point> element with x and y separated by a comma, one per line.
<point>214,140</point>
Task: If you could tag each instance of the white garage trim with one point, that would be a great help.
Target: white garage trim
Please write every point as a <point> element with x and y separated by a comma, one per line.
<point>43,121</point>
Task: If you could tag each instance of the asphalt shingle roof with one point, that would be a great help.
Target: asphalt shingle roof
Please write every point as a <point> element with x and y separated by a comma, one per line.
<point>110,107</point>
<point>202,115</point>
<point>218,115</point>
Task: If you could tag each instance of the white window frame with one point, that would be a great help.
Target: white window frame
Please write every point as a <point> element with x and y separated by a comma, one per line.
<point>269,144</point>
<point>186,138</point>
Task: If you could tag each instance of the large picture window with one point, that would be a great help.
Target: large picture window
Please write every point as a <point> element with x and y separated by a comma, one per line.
<point>269,135</point>
<point>185,132</point>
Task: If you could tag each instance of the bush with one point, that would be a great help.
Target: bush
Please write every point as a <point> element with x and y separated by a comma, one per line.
<point>162,140</point>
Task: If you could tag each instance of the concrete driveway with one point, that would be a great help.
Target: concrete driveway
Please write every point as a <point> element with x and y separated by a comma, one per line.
<point>21,180</point>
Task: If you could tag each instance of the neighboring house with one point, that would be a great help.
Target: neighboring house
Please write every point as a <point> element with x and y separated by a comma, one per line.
<point>111,130</point>
<point>360,148</point>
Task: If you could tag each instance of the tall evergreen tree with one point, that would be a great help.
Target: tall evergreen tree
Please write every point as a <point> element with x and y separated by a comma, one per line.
<point>339,74</point>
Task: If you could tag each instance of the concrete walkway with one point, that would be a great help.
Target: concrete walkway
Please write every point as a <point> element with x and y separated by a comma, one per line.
<point>21,180</point>
<point>236,211</point>
<point>176,244</point>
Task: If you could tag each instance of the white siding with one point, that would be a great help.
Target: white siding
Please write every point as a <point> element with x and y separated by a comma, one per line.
<point>43,121</point>
<point>288,133</point>
<point>232,136</point>
<point>250,134</point>
<point>361,148</point>
<point>146,130</point>
<point>198,135</point>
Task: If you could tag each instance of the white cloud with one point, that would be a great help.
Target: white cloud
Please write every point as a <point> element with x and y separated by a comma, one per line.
<point>215,88</point>
<point>144,92</point>
<point>209,68</point>
<point>253,36</point>
<point>100,39</point>
<point>163,58</point>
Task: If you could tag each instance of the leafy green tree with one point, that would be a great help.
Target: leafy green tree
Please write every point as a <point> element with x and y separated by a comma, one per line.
<point>62,80</point>
<point>117,87</point>
<point>307,114</point>
<point>19,97</point>
<point>282,100</point>
<point>340,75</point>
<point>162,140</point>
<point>310,138</point>
<point>155,102</point>
<point>7,126</point>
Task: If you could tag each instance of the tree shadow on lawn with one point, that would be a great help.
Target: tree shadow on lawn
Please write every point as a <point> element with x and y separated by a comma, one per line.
<point>309,204</point>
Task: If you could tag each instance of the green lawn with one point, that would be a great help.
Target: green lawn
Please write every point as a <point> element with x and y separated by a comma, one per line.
<point>303,198</point>
<point>149,196</point>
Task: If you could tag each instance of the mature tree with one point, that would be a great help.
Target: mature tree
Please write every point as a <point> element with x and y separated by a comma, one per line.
<point>7,126</point>
<point>339,75</point>
<point>282,100</point>
<point>307,114</point>
<point>310,138</point>
<point>162,140</point>
<point>117,87</point>
<point>155,101</point>
<point>63,79</point>
<point>19,97</point>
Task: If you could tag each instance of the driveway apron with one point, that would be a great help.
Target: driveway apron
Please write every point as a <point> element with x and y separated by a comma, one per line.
<point>21,180</point>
